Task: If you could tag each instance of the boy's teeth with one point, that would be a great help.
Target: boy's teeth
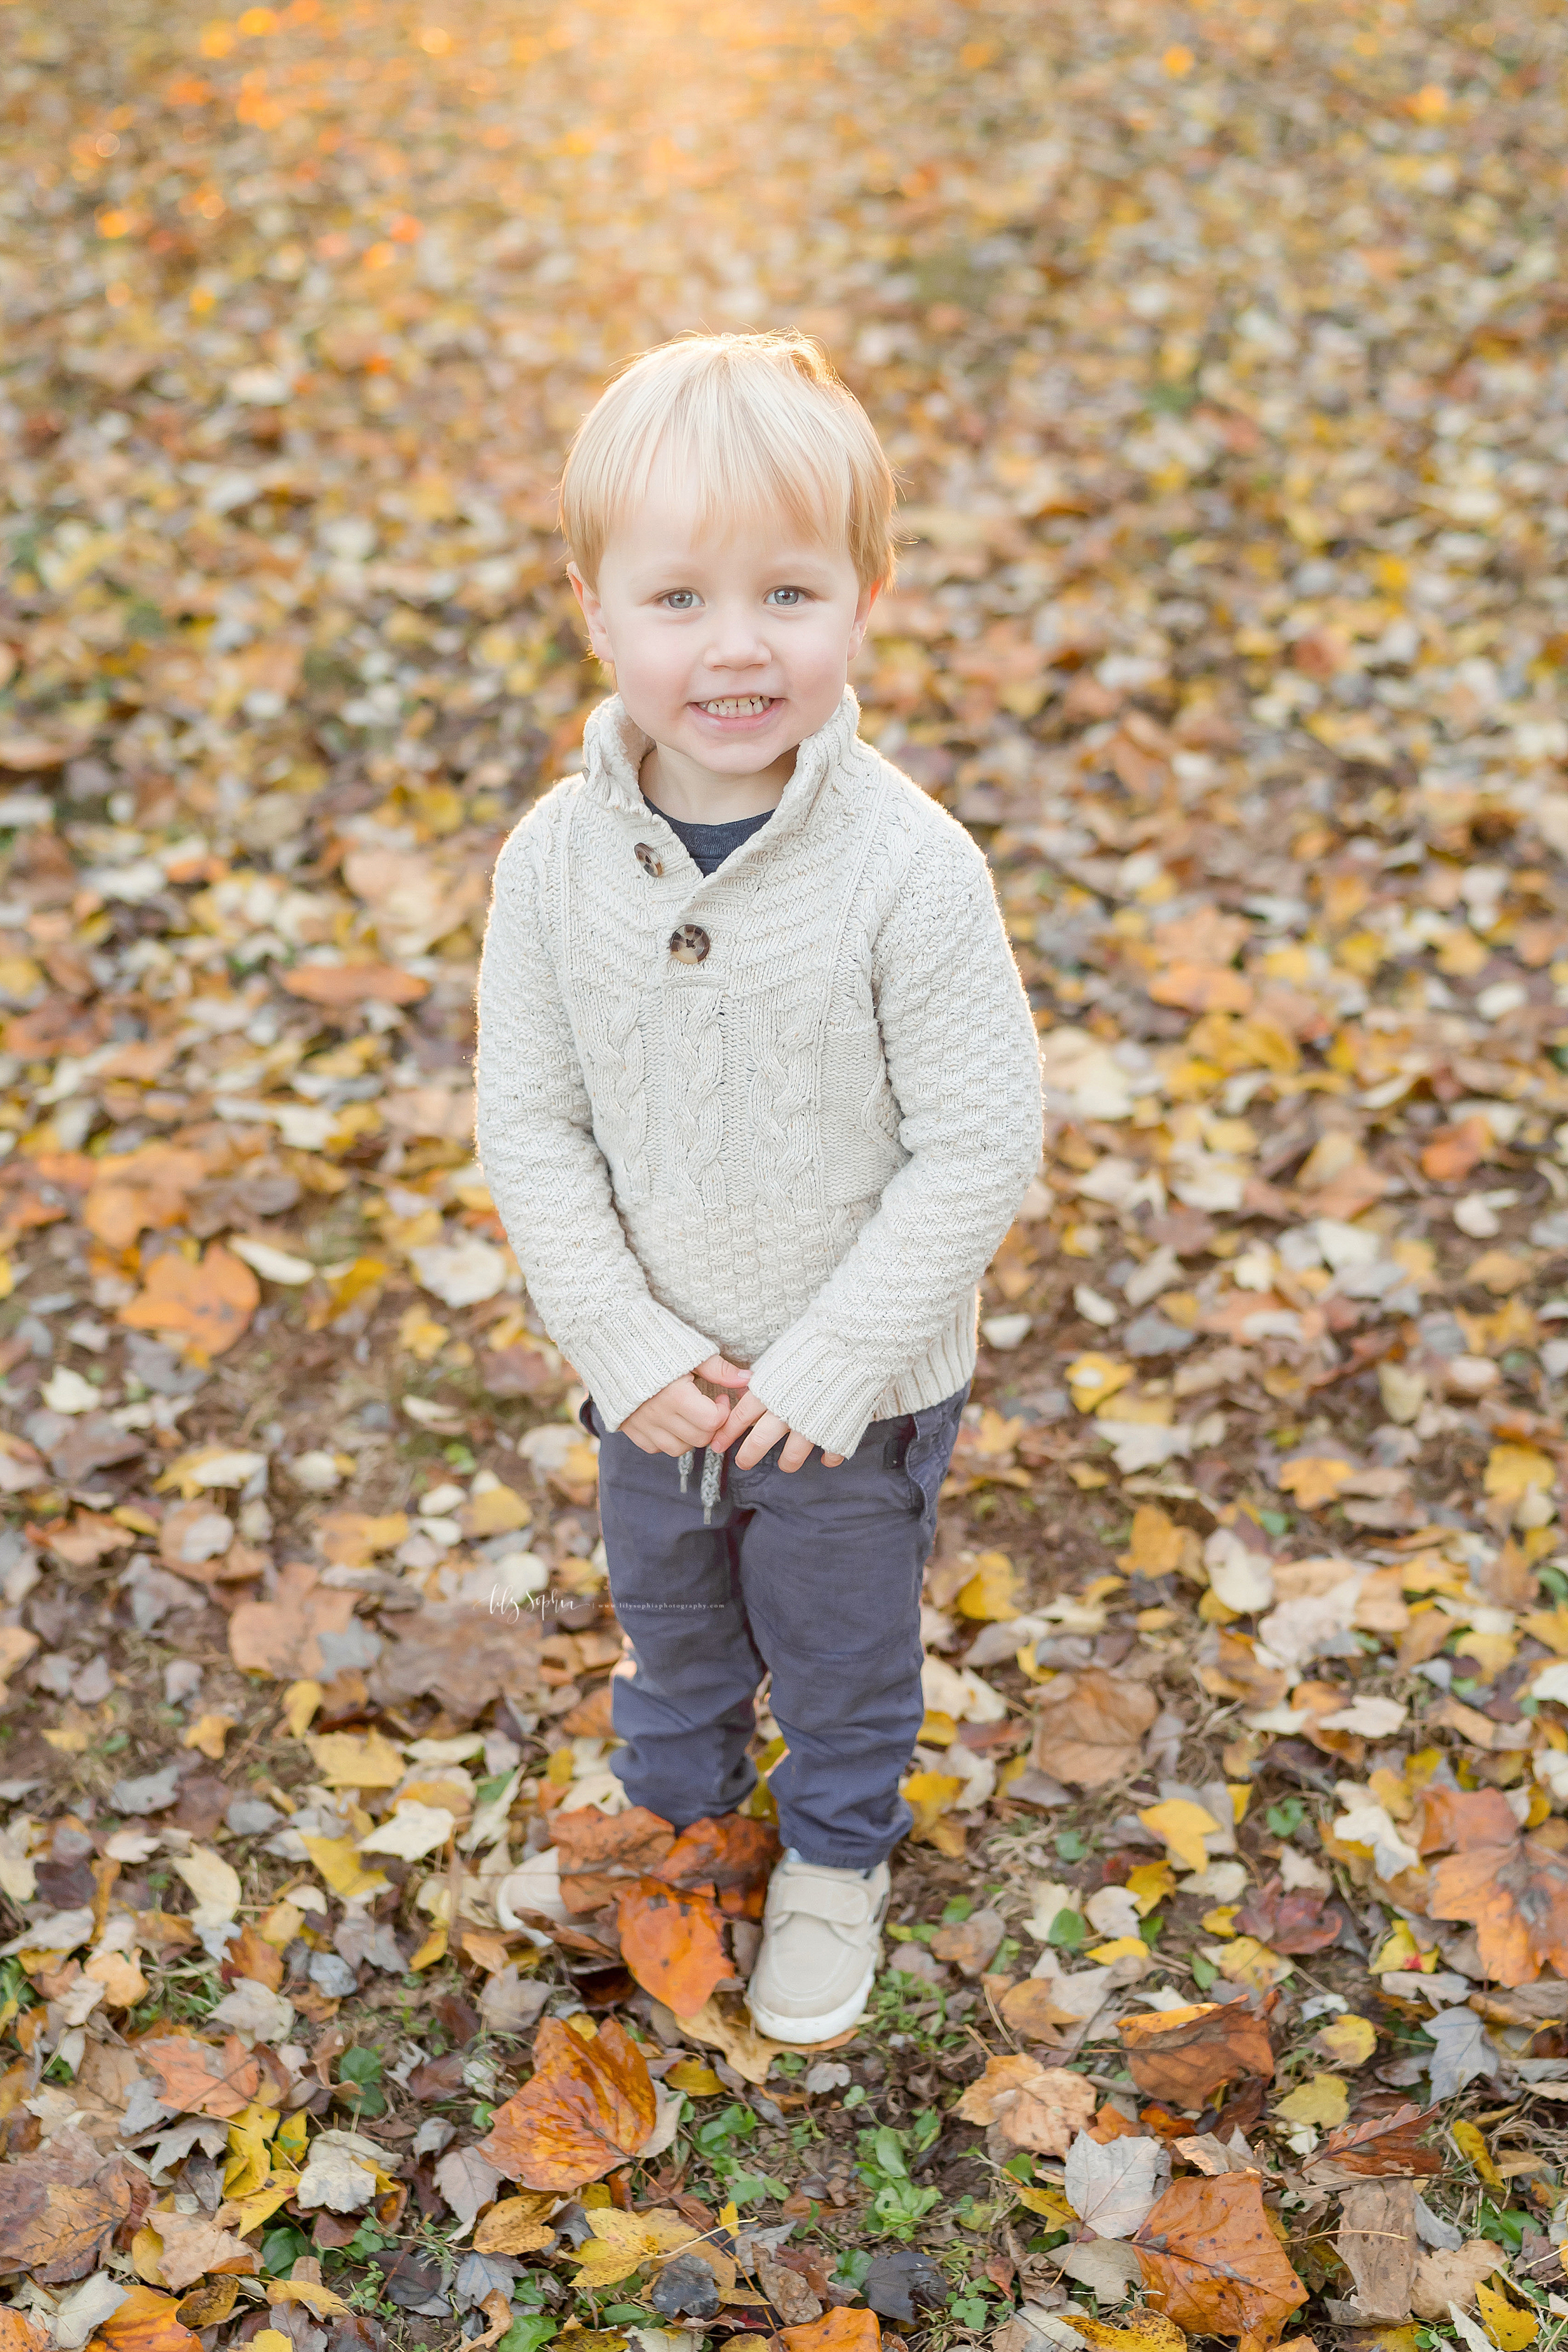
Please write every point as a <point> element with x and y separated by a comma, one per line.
<point>737,706</point>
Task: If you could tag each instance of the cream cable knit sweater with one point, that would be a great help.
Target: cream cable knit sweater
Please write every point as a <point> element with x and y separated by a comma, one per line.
<point>798,1140</point>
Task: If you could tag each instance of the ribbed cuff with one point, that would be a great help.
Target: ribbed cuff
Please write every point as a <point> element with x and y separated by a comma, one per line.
<point>622,1367</point>
<point>809,1381</point>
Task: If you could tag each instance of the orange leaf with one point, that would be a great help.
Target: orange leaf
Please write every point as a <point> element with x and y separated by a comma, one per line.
<point>17,2333</point>
<point>589,2105</point>
<point>1462,1819</point>
<point>1211,2262</point>
<point>1378,2149</point>
<point>836,2331</point>
<point>335,984</point>
<point>280,1637</point>
<point>1183,2054</point>
<point>1202,988</point>
<point>1455,1151</point>
<point>198,2080</point>
<point>148,2321</point>
<point>673,1944</point>
<point>733,1855</point>
<point>208,1305</point>
<point>1515,1898</point>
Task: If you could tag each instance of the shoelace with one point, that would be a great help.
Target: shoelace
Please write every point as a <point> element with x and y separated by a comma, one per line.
<point>713,1478</point>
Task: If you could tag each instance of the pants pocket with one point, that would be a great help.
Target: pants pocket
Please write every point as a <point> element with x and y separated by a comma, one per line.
<point>927,1456</point>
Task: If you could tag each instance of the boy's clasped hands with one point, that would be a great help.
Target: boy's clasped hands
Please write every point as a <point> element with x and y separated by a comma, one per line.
<point>679,1418</point>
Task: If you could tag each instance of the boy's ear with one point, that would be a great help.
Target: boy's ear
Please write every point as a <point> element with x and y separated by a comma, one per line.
<point>592,613</point>
<point>868,597</point>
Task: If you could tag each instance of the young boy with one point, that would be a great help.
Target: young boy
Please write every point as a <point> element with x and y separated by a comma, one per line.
<point>758,1095</point>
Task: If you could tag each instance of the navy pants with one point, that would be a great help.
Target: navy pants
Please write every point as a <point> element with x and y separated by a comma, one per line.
<point>811,1576</point>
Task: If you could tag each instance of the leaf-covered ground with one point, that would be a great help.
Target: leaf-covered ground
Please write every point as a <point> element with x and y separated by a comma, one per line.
<point>1220,353</point>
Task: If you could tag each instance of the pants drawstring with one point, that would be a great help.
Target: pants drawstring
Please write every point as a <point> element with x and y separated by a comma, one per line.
<point>712,1479</point>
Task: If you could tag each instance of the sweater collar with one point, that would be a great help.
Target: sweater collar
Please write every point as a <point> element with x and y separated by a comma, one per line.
<point>614,747</point>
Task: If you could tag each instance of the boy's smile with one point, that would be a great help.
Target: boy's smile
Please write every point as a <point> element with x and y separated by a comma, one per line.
<point>729,646</point>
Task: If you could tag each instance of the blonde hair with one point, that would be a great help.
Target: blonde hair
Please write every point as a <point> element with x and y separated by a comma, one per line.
<point>762,423</point>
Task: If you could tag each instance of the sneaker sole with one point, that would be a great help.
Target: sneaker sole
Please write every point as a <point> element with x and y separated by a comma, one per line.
<point>807,2030</point>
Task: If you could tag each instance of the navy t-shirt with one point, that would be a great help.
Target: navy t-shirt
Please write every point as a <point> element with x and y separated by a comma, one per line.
<point>709,844</point>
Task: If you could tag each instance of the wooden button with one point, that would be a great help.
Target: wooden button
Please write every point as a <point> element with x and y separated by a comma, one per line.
<point>649,859</point>
<point>689,943</point>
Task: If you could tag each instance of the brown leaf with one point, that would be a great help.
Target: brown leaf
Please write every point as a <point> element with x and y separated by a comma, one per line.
<point>1460,1820</point>
<point>61,2208</point>
<point>281,1637</point>
<point>195,2078</point>
<point>135,1190</point>
<point>463,1657</point>
<point>1091,1726</point>
<point>1211,2262</point>
<point>206,1306</point>
<point>732,1855</point>
<point>250,1955</point>
<point>210,2305</point>
<point>674,1944</point>
<point>596,1849</point>
<point>589,2105</point>
<point>1298,1922</point>
<point>1377,2244</point>
<point>1377,2149</point>
<point>1441,2278</point>
<point>1453,1151</point>
<point>970,1944</point>
<point>194,2244</point>
<point>1183,2054</point>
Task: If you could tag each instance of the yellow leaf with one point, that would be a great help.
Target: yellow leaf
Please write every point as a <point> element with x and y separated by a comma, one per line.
<point>930,1794</point>
<point>346,1761</point>
<point>301,1701</point>
<point>1183,1825</point>
<point>1049,2202</point>
<point>1149,1885</point>
<point>71,1741</point>
<point>208,1733</point>
<point>1120,1947</point>
<point>421,1335</point>
<point>1157,1544</point>
<point>339,1863</point>
<point>937,1730</point>
<point>1509,2327</point>
<point>1513,1471</point>
<point>695,2078</point>
<point>322,2301</point>
<point>1347,2041</point>
<point>279,1924</point>
<point>1221,1920</point>
<point>147,2255</point>
<point>1322,2100</point>
<point>991,1594</point>
<point>434,1949</point>
<point>1248,1962</point>
<point>1396,1951</point>
<point>1467,2139</point>
<point>271,2339</point>
<point>1134,2331</point>
<point>1091,1378</point>
<point>1315,1479</point>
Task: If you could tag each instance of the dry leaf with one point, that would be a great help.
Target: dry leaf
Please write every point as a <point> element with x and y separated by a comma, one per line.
<point>62,2206</point>
<point>1039,2107</point>
<point>192,2244</point>
<point>1092,1727</point>
<point>673,1944</point>
<point>148,2321</point>
<point>1181,2056</point>
<point>280,1637</point>
<point>836,2331</point>
<point>198,2079</point>
<point>589,2106</point>
<point>1212,2264</point>
<point>206,1306</point>
<point>517,2225</point>
<point>1376,2242</point>
<point>1112,2186</point>
<point>1442,2278</point>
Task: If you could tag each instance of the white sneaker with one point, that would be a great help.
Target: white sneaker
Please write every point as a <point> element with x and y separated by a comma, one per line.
<point>821,1948</point>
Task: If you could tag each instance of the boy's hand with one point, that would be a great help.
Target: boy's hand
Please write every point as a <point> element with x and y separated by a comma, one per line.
<point>748,1413</point>
<point>676,1419</point>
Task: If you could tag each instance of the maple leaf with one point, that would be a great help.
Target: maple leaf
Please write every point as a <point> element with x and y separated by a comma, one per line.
<point>1039,2107</point>
<point>1212,2264</point>
<point>1184,2054</point>
<point>195,2078</point>
<point>589,2106</point>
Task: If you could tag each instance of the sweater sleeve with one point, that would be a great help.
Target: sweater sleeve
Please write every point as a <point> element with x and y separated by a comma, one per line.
<point>546,1175</point>
<point>963,1060</point>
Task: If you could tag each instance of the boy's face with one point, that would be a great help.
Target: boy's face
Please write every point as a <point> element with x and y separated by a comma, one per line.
<point>728,650</point>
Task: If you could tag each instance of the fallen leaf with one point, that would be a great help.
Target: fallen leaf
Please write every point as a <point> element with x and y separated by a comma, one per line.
<point>1184,1826</point>
<point>517,2225</point>
<point>148,2321</point>
<point>1442,2278</point>
<point>468,2182</point>
<point>624,2242</point>
<point>1181,2055</point>
<point>1036,2108</point>
<point>280,1637</point>
<point>1111,2187</point>
<point>836,2331</point>
<point>1377,2149</point>
<point>198,2079</point>
<point>1347,2041</point>
<point>589,2107</point>
<point>1092,1727</point>
<point>208,1305</point>
<point>336,985</point>
<point>724,2025</point>
<point>214,1882</point>
<point>733,1855</point>
<point>1322,2100</point>
<point>340,2173</point>
<point>61,2208</point>
<point>1510,2325</point>
<point>193,2244</point>
<point>672,1943</point>
<point>1136,2330</point>
<point>1376,2242</point>
<point>323,2302</point>
<point>1212,2264</point>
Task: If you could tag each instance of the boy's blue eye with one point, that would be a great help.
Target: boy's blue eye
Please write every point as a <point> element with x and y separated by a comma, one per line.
<point>788,596</point>
<point>682,600</point>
